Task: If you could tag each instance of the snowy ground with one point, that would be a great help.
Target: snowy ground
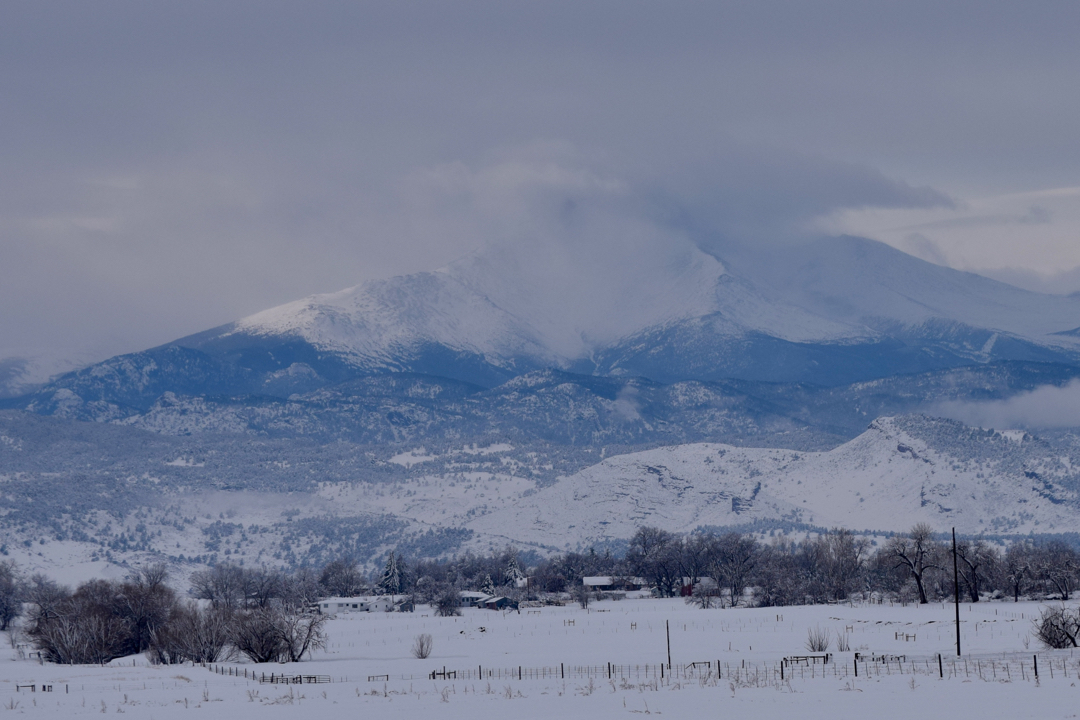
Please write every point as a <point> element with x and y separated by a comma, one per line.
<point>994,679</point>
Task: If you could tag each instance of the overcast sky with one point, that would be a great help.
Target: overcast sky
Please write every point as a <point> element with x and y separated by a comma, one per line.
<point>168,167</point>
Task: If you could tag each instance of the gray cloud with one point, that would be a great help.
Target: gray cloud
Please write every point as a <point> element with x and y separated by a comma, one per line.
<point>756,194</point>
<point>626,404</point>
<point>1035,215</point>
<point>169,167</point>
<point>1065,282</point>
<point>1048,406</point>
<point>923,247</point>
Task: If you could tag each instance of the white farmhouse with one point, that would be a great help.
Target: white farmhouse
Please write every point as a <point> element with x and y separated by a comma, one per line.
<point>472,598</point>
<point>335,605</point>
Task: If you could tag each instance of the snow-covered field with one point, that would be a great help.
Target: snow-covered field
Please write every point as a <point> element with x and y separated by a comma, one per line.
<point>373,672</point>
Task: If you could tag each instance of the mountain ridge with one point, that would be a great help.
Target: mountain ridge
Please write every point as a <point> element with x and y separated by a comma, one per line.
<point>88,492</point>
<point>768,324</point>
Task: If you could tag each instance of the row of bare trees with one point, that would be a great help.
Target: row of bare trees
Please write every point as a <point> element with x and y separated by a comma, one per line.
<point>825,567</point>
<point>916,565</point>
<point>102,619</point>
<point>261,613</point>
<point>1046,570</point>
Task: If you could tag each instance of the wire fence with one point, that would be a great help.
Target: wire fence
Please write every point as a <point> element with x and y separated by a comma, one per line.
<point>1033,668</point>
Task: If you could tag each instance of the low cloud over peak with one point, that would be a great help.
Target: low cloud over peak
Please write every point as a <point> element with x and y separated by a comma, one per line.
<point>1049,406</point>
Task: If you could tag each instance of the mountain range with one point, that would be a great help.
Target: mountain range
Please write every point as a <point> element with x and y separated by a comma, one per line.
<point>832,312</point>
<point>555,400</point>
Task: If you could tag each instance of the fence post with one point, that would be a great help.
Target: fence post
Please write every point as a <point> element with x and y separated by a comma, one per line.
<point>1035,659</point>
<point>667,629</point>
<point>941,671</point>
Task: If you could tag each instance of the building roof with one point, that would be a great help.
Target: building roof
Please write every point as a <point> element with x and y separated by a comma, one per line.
<point>602,580</point>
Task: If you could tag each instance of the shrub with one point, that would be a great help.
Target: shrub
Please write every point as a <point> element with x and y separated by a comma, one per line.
<point>817,639</point>
<point>277,635</point>
<point>1058,627</point>
<point>421,648</point>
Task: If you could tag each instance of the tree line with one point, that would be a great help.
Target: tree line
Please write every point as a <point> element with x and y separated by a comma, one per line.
<point>266,614</point>
<point>737,568</point>
<point>836,565</point>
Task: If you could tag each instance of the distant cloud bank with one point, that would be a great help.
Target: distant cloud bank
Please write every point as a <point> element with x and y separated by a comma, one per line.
<point>1048,406</point>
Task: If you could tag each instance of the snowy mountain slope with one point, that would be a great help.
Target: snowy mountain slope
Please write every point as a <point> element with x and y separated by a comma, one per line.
<point>514,313</point>
<point>504,304</point>
<point>899,315</point>
<point>376,324</point>
<point>899,472</point>
<point>20,375</point>
<point>581,309</point>
<point>830,295</point>
<point>859,281</point>
<point>108,492</point>
<point>710,348</point>
<point>558,407</point>
<point>830,313</point>
<point>125,384</point>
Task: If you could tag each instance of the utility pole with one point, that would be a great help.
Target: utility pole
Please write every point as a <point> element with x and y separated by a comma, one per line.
<point>956,591</point>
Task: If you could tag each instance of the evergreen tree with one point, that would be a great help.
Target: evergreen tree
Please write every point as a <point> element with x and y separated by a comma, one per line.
<point>488,586</point>
<point>513,572</point>
<point>390,582</point>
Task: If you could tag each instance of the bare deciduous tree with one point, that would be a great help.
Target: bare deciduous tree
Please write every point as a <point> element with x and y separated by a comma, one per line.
<point>656,555</point>
<point>342,577</point>
<point>976,559</point>
<point>80,631</point>
<point>193,634</point>
<point>1058,566</point>
<point>276,634</point>
<point>255,634</point>
<point>581,595</point>
<point>1017,568</point>
<point>145,603</point>
<point>300,633</point>
<point>300,589</point>
<point>733,561</point>
<point>917,551</point>
<point>844,558</point>
<point>222,585</point>
<point>151,576</point>
<point>10,594</point>
<point>45,596</point>
<point>261,586</point>
<point>448,602</point>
